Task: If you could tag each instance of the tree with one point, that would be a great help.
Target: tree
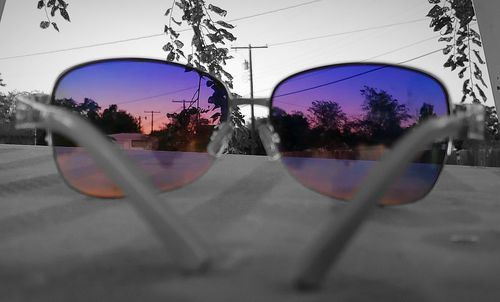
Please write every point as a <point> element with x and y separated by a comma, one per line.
<point>187,131</point>
<point>118,121</point>
<point>384,115</point>
<point>294,130</point>
<point>452,18</point>
<point>89,109</point>
<point>426,111</point>
<point>240,142</point>
<point>327,115</point>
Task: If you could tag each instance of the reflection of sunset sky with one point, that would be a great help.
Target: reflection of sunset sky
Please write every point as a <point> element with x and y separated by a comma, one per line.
<point>135,87</point>
<point>407,86</point>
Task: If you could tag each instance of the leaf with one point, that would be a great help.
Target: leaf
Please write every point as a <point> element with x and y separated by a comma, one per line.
<point>215,116</point>
<point>447,49</point>
<point>171,57</point>
<point>44,24</point>
<point>465,89</point>
<point>447,39</point>
<point>181,53</point>
<point>176,22</point>
<point>449,29</point>
<point>227,34</point>
<point>53,11</point>
<point>62,3</point>
<point>51,3</point>
<point>442,22</point>
<point>477,42</point>
<point>461,73</point>
<point>474,34</point>
<point>210,26</point>
<point>478,56</point>
<point>168,12</point>
<point>64,14</point>
<point>55,26</point>
<point>435,12</point>
<point>217,10</point>
<point>179,44</point>
<point>168,47</point>
<point>224,24</point>
<point>481,93</point>
<point>478,74</point>
<point>41,4</point>
<point>449,62</point>
<point>434,1</point>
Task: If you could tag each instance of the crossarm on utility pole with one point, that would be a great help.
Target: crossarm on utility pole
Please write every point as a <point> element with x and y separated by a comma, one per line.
<point>335,235</point>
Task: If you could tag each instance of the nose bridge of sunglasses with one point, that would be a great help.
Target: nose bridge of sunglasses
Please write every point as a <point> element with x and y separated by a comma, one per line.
<point>220,139</point>
<point>270,139</point>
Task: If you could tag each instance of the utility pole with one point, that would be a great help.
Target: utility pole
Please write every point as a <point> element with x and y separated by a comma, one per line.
<point>152,117</point>
<point>183,103</point>
<point>250,47</point>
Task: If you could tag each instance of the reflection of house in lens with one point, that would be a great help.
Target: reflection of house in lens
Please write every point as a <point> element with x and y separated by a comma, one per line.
<point>135,141</point>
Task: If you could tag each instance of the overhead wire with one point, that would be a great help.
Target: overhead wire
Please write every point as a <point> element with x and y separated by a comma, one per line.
<point>151,35</point>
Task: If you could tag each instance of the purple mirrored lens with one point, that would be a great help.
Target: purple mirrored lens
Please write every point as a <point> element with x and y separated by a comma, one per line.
<point>162,115</point>
<point>335,123</point>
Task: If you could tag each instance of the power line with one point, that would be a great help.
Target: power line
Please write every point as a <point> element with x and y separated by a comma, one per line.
<point>347,32</point>
<point>156,96</point>
<point>275,11</point>
<point>151,35</point>
<point>401,48</point>
<point>356,75</point>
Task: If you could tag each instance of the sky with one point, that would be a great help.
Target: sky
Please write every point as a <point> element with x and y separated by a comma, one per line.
<point>311,34</point>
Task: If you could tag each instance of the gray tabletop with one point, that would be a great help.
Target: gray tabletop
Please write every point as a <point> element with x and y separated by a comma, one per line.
<point>58,245</point>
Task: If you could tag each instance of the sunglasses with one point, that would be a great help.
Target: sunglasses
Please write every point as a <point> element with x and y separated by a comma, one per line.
<point>328,125</point>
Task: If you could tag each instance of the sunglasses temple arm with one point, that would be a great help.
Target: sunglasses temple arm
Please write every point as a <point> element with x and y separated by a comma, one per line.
<point>182,243</point>
<point>334,236</point>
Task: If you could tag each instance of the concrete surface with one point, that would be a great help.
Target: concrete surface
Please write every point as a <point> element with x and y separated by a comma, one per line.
<point>57,245</point>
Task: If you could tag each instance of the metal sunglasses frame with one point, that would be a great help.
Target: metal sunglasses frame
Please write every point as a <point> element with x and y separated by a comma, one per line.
<point>182,243</point>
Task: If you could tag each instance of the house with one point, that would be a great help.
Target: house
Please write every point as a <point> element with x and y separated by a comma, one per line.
<point>135,141</point>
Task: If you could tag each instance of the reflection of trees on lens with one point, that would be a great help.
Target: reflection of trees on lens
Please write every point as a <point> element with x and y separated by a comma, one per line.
<point>187,131</point>
<point>384,116</point>
<point>293,129</point>
<point>426,111</point>
<point>327,115</point>
<point>118,121</point>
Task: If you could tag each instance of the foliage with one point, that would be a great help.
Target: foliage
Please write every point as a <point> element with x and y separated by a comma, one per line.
<point>54,6</point>
<point>2,84</point>
<point>452,18</point>
<point>426,111</point>
<point>110,121</point>
<point>294,129</point>
<point>113,121</point>
<point>209,37</point>
<point>326,128</point>
<point>327,115</point>
<point>8,132</point>
<point>187,131</point>
<point>384,116</point>
<point>240,142</point>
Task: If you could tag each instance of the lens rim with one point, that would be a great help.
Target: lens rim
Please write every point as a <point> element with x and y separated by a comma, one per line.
<point>125,59</point>
<point>376,65</point>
